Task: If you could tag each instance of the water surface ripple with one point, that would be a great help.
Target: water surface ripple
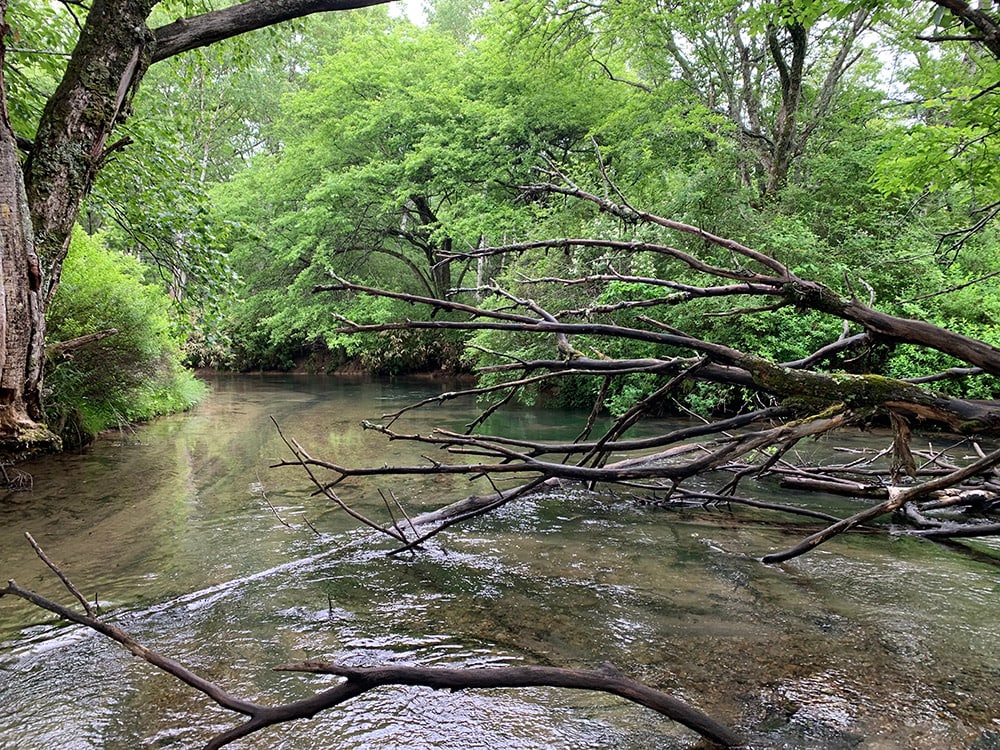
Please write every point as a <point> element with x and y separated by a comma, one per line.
<point>183,533</point>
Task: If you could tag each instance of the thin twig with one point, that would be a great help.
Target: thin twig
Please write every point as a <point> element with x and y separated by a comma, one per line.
<point>267,502</point>
<point>62,576</point>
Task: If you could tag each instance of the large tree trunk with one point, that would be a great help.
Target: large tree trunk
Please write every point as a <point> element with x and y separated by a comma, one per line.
<point>109,60</point>
<point>40,204</point>
<point>22,321</point>
<point>791,70</point>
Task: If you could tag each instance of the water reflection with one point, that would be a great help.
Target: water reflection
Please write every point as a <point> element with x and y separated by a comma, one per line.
<point>868,643</point>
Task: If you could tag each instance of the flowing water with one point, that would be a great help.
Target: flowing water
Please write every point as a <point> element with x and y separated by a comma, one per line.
<point>182,532</point>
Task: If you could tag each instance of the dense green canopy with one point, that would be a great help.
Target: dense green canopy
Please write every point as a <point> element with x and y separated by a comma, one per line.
<point>403,146</point>
<point>833,136</point>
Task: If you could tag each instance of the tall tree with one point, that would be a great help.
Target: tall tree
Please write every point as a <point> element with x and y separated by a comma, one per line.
<point>399,150</point>
<point>75,135</point>
<point>42,197</point>
<point>771,70</point>
<point>945,160</point>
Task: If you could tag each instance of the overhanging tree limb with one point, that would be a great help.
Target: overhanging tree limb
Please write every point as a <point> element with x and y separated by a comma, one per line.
<point>186,34</point>
<point>974,18</point>
<point>800,292</point>
<point>741,368</point>
<point>60,348</point>
<point>822,400</point>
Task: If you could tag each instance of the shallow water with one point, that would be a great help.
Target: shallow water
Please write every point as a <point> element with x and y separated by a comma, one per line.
<point>198,549</point>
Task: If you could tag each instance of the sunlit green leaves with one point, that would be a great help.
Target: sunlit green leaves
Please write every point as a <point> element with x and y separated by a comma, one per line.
<point>403,146</point>
<point>39,41</point>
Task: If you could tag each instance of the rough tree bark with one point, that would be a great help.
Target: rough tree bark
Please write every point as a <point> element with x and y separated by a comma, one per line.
<point>791,70</point>
<point>982,25</point>
<point>22,318</point>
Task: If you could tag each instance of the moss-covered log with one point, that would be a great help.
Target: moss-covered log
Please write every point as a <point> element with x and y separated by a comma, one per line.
<point>872,394</point>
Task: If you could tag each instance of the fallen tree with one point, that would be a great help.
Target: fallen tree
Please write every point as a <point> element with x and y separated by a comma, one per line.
<point>932,493</point>
<point>46,193</point>
<point>806,398</point>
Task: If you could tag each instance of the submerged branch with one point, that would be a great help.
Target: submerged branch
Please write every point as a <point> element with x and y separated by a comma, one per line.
<point>898,496</point>
<point>608,680</point>
<point>163,663</point>
<point>508,461</point>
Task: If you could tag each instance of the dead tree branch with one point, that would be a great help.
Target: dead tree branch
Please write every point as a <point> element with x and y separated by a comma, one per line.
<point>898,496</point>
<point>800,398</point>
<point>607,679</point>
<point>359,680</point>
<point>63,348</point>
<point>60,575</point>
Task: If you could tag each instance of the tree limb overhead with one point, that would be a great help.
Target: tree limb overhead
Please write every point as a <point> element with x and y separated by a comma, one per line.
<point>186,34</point>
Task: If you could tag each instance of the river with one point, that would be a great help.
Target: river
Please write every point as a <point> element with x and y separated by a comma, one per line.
<point>181,531</point>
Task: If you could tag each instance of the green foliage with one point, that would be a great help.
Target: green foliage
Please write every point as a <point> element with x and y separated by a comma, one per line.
<point>402,145</point>
<point>943,161</point>
<point>457,18</point>
<point>38,42</point>
<point>149,210</point>
<point>714,70</point>
<point>199,118</point>
<point>133,375</point>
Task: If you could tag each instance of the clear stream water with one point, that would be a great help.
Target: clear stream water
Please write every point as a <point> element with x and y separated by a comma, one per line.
<point>870,642</point>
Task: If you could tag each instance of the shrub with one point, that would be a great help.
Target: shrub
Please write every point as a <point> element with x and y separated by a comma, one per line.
<point>133,375</point>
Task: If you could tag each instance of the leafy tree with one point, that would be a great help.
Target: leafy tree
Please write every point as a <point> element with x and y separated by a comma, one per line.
<point>39,44</point>
<point>769,73</point>
<point>943,161</point>
<point>401,149</point>
<point>200,118</point>
<point>459,18</point>
<point>67,146</point>
<point>71,135</point>
<point>417,177</point>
